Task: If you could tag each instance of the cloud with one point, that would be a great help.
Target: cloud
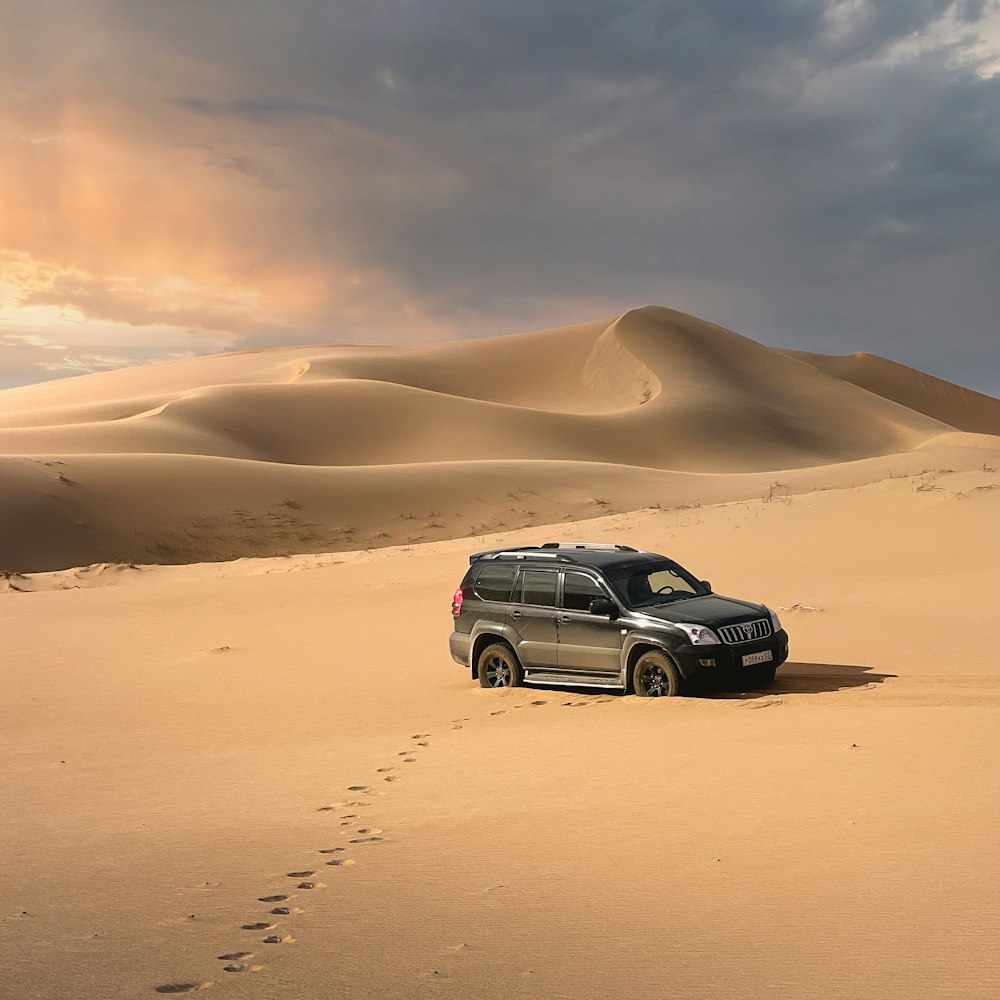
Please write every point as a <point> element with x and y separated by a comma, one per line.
<point>816,173</point>
<point>30,340</point>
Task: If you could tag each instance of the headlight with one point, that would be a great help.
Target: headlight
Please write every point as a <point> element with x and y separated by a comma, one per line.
<point>698,634</point>
<point>775,623</point>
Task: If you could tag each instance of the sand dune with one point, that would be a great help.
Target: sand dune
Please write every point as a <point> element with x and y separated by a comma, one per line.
<point>305,449</point>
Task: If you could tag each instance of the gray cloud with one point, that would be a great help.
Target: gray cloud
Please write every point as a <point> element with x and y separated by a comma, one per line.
<point>814,174</point>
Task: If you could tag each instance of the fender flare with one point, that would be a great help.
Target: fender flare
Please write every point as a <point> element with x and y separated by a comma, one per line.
<point>498,629</point>
<point>639,638</point>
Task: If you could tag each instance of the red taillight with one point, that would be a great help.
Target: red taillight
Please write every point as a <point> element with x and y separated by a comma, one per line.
<point>456,602</point>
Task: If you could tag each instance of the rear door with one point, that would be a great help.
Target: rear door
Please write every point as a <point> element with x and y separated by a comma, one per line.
<point>587,643</point>
<point>532,614</point>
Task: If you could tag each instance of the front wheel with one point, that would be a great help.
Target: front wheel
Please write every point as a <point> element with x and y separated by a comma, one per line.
<point>655,676</point>
<point>497,667</point>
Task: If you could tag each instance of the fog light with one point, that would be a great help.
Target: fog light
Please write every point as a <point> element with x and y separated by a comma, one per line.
<point>707,663</point>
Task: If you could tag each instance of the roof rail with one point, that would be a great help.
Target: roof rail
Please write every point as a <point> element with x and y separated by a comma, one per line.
<point>600,546</point>
<point>548,550</point>
<point>493,553</point>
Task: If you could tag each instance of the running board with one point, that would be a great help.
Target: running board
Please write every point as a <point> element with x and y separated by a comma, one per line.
<point>573,679</point>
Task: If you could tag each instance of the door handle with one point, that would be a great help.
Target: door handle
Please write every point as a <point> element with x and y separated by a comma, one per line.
<point>565,618</point>
<point>515,614</point>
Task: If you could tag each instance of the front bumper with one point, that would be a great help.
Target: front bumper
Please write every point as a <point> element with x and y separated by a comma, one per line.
<point>460,644</point>
<point>721,658</point>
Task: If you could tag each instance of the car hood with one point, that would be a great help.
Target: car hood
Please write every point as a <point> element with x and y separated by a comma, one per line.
<point>710,610</point>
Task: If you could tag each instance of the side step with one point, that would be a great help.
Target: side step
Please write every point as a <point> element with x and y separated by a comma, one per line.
<point>573,679</point>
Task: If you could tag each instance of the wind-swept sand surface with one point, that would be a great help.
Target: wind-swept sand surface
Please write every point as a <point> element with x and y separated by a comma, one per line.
<point>341,448</point>
<point>185,747</point>
<point>266,777</point>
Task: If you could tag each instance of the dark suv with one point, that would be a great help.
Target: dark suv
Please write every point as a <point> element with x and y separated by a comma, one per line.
<point>609,616</point>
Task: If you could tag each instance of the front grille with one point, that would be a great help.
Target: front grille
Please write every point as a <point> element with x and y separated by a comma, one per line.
<point>745,632</point>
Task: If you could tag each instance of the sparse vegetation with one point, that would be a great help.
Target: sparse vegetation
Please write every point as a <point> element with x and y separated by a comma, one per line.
<point>778,492</point>
<point>926,482</point>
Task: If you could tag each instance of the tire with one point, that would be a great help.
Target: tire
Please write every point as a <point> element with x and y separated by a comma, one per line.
<point>655,676</point>
<point>497,667</point>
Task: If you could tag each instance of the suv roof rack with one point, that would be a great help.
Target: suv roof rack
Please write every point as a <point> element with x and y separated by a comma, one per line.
<point>548,550</point>
<point>600,546</point>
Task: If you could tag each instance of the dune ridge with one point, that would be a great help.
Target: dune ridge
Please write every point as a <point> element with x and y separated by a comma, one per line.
<point>286,450</point>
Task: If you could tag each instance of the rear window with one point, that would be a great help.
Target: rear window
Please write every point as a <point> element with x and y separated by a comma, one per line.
<point>538,586</point>
<point>494,582</point>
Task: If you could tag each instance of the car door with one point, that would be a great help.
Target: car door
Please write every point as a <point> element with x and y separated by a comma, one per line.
<point>587,643</point>
<point>532,614</point>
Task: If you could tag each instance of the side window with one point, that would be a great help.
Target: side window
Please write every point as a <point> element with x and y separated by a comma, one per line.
<point>494,582</point>
<point>538,586</point>
<point>579,591</point>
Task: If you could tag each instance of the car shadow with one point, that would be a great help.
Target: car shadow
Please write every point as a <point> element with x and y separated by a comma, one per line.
<point>798,678</point>
<point>792,678</point>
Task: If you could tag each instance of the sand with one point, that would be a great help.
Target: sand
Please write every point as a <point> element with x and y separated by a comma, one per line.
<point>183,742</point>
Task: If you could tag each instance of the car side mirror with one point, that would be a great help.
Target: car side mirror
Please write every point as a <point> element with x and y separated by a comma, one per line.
<point>602,606</point>
<point>707,585</point>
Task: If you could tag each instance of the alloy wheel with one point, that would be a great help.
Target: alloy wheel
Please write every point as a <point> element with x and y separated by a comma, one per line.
<point>498,673</point>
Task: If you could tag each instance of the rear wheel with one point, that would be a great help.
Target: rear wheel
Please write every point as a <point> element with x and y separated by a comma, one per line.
<point>655,676</point>
<point>497,667</point>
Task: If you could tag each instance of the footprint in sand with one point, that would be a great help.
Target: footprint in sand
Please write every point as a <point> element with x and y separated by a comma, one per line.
<point>423,736</point>
<point>366,840</point>
<point>383,770</point>
<point>341,863</point>
<point>767,703</point>
<point>300,874</point>
<point>278,898</point>
<point>325,809</point>
<point>333,850</point>
<point>182,987</point>
<point>390,777</point>
<point>311,885</point>
<point>423,744</point>
<point>242,967</point>
<point>274,939</point>
<point>236,956</point>
<point>501,711</point>
<point>357,788</point>
<point>370,830</point>
<point>409,760</point>
<point>284,911</point>
<point>258,926</point>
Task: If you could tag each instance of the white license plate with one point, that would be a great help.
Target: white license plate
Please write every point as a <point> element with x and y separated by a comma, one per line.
<point>751,658</point>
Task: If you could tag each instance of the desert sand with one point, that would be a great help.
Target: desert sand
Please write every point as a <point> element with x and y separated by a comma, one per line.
<point>220,704</point>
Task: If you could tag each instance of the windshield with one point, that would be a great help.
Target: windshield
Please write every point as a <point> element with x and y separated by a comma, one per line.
<point>654,583</point>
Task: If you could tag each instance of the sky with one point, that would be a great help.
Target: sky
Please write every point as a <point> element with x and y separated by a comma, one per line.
<point>184,177</point>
